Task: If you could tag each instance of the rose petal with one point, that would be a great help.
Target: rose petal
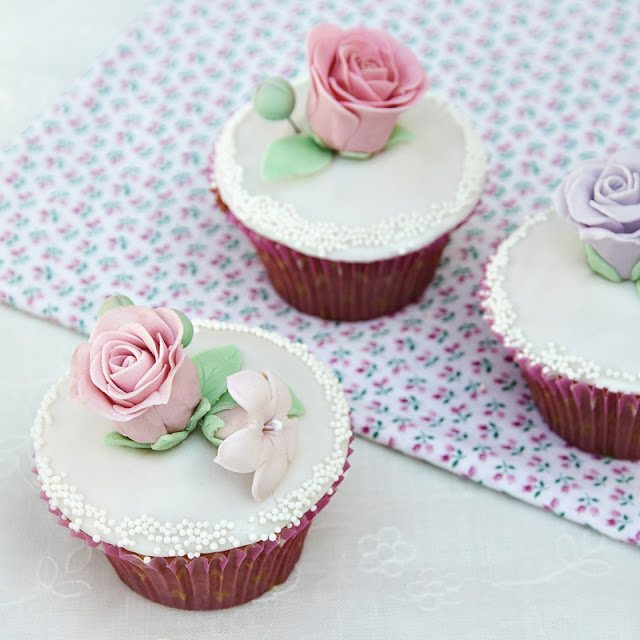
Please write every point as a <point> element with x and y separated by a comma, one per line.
<point>241,451</point>
<point>617,184</point>
<point>159,321</point>
<point>579,196</point>
<point>127,377</point>
<point>146,428</point>
<point>184,396</point>
<point>321,46</point>
<point>627,157</point>
<point>620,217</point>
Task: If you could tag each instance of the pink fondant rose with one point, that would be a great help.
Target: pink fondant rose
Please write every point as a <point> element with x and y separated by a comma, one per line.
<point>361,80</point>
<point>602,197</point>
<point>258,436</point>
<point>134,371</point>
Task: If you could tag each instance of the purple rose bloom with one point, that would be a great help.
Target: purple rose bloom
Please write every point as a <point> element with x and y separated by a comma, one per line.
<point>602,198</point>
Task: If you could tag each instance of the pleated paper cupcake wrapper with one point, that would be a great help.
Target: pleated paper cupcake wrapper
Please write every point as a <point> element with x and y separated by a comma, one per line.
<point>340,290</point>
<point>591,418</point>
<point>213,580</point>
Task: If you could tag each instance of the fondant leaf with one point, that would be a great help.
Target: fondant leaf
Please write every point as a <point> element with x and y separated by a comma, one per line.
<point>297,408</point>
<point>294,156</point>
<point>169,440</point>
<point>224,402</point>
<point>210,425</point>
<point>187,336</point>
<point>398,135</point>
<point>115,439</point>
<point>635,273</point>
<point>200,411</point>
<point>213,367</point>
<point>600,265</point>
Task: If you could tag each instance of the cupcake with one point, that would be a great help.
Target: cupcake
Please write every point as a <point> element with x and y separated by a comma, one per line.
<point>182,452</point>
<point>561,293</point>
<point>349,182</point>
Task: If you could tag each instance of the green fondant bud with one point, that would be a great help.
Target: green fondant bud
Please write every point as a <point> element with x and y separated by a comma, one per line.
<point>274,99</point>
<point>112,302</point>
<point>187,336</point>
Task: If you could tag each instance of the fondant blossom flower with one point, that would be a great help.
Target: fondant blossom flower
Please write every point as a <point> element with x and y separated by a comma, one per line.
<point>134,371</point>
<point>361,81</point>
<point>258,436</point>
<point>602,197</point>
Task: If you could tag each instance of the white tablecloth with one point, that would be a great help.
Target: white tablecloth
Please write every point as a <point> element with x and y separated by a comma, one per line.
<point>404,550</point>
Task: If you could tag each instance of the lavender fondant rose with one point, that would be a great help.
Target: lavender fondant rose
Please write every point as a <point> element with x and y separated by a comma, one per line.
<point>134,371</point>
<point>361,81</point>
<point>602,197</point>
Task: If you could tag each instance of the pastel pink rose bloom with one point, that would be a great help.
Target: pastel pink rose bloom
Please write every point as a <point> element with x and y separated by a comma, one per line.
<point>258,436</point>
<point>361,81</point>
<point>134,371</point>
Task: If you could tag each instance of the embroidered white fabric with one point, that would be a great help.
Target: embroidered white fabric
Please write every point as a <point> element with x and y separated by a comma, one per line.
<point>404,550</point>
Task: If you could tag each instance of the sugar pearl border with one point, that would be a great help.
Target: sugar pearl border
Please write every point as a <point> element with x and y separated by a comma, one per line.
<point>189,538</point>
<point>555,359</point>
<point>281,222</point>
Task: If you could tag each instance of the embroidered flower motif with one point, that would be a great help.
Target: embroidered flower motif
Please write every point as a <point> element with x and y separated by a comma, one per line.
<point>134,371</point>
<point>258,436</point>
<point>361,81</point>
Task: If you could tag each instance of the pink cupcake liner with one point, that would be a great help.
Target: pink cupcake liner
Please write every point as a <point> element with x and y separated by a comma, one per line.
<point>591,418</point>
<point>214,580</point>
<point>340,290</point>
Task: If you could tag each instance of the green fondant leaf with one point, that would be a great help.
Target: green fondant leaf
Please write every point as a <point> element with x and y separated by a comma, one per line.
<point>355,155</point>
<point>601,266</point>
<point>398,135</point>
<point>297,408</point>
<point>213,367</point>
<point>210,425</point>
<point>224,402</point>
<point>115,439</point>
<point>187,336</point>
<point>200,411</point>
<point>294,156</point>
<point>169,440</point>
<point>635,273</point>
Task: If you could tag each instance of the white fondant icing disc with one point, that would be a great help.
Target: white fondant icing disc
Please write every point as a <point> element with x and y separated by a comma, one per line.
<point>359,210</point>
<point>183,483</point>
<point>547,303</point>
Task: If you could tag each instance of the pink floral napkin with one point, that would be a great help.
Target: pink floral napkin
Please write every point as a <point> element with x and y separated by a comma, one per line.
<point>108,192</point>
